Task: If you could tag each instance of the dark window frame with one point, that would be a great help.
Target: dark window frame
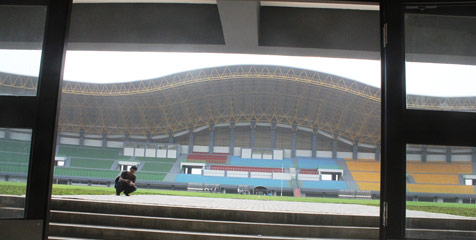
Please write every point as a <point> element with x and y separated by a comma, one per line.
<point>395,116</point>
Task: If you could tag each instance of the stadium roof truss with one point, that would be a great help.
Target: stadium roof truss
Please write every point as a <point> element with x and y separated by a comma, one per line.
<point>174,103</point>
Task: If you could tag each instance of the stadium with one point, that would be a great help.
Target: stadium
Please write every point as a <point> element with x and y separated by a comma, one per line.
<point>249,129</point>
<point>246,119</point>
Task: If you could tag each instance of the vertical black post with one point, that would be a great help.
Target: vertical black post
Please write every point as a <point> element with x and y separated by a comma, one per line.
<point>40,175</point>
<point>393,164</point>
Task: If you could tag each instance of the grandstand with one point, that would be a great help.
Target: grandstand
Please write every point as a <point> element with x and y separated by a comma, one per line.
<point>205,127</point>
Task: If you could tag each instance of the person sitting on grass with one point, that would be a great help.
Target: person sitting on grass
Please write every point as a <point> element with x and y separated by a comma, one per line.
<point>126,182</point>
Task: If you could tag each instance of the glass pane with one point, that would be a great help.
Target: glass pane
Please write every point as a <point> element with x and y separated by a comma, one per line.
<point>282,115</point>
<point>21,39</point>
<point>441,192</point>
<point>14,160</point>
<point>441,59</point>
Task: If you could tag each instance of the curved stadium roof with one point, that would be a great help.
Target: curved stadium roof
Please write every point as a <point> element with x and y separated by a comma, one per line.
<point>171,104</point>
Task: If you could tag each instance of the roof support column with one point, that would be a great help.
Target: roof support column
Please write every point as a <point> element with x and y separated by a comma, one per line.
<point>149,138</point>
<point>232,137</point>
<point>191,139</point>
<point>104,139</point>
<point>273,134</point>
<point>334,146</point>
<point>377,152</point>
<point>126,138</point>
<point>293,140</point>
<point>7,134</point>
<point>58,139</point>
<point>315,130</point>
<point>355,149</point>
<point>448,154</point>
<point>211,142</point>
<point>474,155</point>
<point>171,137</point>
<point>252,133</point>
<point>81,137</point>
<point>423,153</point>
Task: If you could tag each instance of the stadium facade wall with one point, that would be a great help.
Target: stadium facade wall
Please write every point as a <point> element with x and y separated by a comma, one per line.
<point>114,144</point>
<point>219,149</point>
<point>435,158</point>
<point>69,141</point>
<point>461,158</point>
<point>365,155</point>
<point>413,157</point>
<point>326,154</point>
<point>303,153</point>
<point>92,143</point>
<point>344,154</point>
<point>20,136</point>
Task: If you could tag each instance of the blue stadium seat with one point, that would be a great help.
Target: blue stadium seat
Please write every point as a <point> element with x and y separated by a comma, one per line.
<point>313,163</point>
<point>247,162</point>
<point>328,185</point>
<point>189,178</point>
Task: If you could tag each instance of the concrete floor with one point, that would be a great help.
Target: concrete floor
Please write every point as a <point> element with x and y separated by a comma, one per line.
<point>254,205</point>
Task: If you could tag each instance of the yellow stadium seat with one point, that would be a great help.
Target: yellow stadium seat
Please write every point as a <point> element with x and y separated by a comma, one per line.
<point>436,178</point>
<point>451,168</point>
<point>434,188</point>
<point>368,186</point>
<point>363,166</point>
<point>366,176</point>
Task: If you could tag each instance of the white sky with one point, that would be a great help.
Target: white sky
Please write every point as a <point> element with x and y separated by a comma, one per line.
<point>428,79</point>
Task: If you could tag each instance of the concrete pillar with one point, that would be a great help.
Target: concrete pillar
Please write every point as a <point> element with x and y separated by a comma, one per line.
<point>273,134</point>
<point>315,131</point>
<point>126,137</point>
<point>171,137</point>
<point>474,155</point>
<point>294,140</point>
<point>448,154</point>
<point>81,137</point>
<point>334,147</point>
<point>423,153</point>
<point>7,134</point>
<point>191,139</point>
<point>378,152</point>
<point>104,139</point>
<point>252,133</point>
<point>232,137</point>
<point>149,138</point>
<point>211,141</point>
<point>355,149</point>
<point>58,139</point>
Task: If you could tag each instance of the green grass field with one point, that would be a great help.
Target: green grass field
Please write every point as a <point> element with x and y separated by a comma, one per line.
<point>468,210</point>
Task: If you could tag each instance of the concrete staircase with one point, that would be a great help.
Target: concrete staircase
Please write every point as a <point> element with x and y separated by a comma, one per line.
<point>79,219</point>
<point>175,170</point>
<point>102,220</point>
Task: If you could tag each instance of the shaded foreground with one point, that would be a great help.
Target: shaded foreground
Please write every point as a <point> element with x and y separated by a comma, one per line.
<point>468,210</point>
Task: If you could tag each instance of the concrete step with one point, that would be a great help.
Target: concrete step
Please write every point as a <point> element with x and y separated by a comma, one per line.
<point>440,234</point>
<point>11,212</point>
<point>68,238</point>
<point>114,233</point>
<point>12,201</point>
<point>214,214</point>
<point>212,226</point>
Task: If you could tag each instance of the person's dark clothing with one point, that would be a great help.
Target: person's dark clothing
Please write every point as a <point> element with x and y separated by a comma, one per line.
<point>129,176</point>
<point>124,186</point>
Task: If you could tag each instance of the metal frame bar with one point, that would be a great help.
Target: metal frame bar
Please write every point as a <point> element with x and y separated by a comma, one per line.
<point>25,2</point>
<point>40,112</point>
<point>393,165</point>
<point>402,126</point>
<point>445,128</point>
